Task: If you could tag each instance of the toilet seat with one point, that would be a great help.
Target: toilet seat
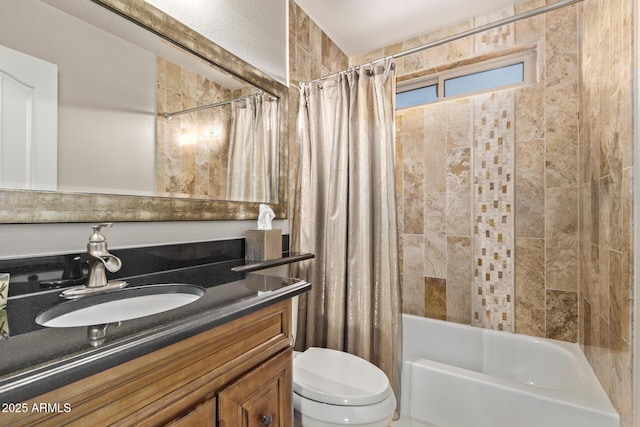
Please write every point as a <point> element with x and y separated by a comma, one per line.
<point>338,378</point>
<point>378,414</point>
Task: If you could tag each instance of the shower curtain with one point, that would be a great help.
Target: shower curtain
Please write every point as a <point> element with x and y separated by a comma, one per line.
<point>347,217</point>
<point>253,150</point>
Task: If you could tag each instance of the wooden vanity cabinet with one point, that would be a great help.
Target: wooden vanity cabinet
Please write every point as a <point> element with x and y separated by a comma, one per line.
<point>261,398</point>
<point>238,374</point>
<point>203,415</point>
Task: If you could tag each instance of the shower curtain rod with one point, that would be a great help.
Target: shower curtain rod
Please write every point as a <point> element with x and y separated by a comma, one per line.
<point>217,104</point>
<point>467,33</point>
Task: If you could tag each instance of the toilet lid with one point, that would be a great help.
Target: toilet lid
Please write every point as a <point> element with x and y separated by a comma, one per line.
<point>338,378</point>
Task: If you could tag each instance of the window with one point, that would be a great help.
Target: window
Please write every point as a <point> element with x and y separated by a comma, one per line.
<point>419,96</point>
<point>483,80</point>
<point>502,73</point>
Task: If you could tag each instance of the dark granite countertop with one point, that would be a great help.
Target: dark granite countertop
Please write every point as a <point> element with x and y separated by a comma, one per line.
<point>40,359</point>
<point>35,359</point>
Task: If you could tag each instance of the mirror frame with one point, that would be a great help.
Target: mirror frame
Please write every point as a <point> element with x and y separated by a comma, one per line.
<point>31,206</point>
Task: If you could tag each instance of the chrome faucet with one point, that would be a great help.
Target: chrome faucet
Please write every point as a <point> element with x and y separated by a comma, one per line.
<point>99,260</point>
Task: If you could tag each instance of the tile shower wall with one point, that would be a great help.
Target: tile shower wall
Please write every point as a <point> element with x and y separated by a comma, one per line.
<point>437,169</point>
<point>182,166</point>
<point>605,196</point>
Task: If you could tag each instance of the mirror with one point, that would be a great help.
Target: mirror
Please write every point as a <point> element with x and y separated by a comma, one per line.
<point>154,121</point>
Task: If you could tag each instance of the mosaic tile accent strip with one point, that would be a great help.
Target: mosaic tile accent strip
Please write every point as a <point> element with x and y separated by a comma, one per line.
<point>493,210</point>
<point>497,38</point>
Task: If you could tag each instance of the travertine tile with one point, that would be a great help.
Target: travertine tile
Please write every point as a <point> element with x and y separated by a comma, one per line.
<point>530,113</point>
<point>435,298</point>
<point>619,322</point>
<point>562,239</point>
<point>413,274</point>
<point>562,136</point>
<point>435,237</point>
<point>562,315</point>
<point>627,256</point>
<point>414,171</point>
<point>622,386</point>
<point>435,255</point>
<point>189,88</point>
<point>332,56</point>
<point>302,70</point>
<point>459,122</point>
<point>561,46</point>
<point>173,77</point>
<point>462,48</point>
<point>530,287</point>
<point>600,351</point>
<point>602,299</point>
<point>530,188</point>
<point>562,212</point>
<point>562,261</point>
<point>531,29</point>
<point>586,341</point>
<point>301,28</point>
<point>435,221</point>
<point>435,148</point>
<point>315,51</point>
<point>592,275</point>
<point>458,192</point>
<point>607,196</point>
<point>584,216</point>
<point>594,214</point>
<point>458,279</point>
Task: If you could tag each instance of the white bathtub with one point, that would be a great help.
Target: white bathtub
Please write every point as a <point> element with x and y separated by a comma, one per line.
<point>460,376</point>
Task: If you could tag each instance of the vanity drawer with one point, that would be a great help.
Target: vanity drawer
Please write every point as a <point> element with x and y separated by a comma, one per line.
<point>169,383</point>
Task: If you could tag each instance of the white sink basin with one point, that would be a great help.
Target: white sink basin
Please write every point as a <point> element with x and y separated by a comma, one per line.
<point>116,306</point>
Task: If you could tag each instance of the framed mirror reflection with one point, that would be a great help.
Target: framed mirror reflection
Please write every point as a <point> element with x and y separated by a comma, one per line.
<point>131,116</point>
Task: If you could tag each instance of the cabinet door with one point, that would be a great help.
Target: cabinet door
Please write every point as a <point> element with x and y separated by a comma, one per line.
<point>202,416</point>
<point>261,398</point>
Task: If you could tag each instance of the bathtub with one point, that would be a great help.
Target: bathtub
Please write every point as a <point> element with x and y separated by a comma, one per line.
<point>461,376</point>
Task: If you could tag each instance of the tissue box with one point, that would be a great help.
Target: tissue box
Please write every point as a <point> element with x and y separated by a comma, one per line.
<point>4,325</point>
<point>263,245</point>
<point>4,289</point>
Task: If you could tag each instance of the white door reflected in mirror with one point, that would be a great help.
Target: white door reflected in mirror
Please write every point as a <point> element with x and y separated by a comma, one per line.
<point>28,121</point>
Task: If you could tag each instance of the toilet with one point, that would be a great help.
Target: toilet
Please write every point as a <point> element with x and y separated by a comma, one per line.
<point>334,388</point>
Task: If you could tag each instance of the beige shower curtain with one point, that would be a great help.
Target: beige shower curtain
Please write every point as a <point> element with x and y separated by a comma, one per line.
<point>347,217</point>
<point>253,157</point>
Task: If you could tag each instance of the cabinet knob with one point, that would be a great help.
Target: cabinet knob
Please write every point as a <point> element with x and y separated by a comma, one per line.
<point>266,420</point>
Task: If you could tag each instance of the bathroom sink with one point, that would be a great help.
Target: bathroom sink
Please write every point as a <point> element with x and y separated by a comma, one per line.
<point>116,306</point>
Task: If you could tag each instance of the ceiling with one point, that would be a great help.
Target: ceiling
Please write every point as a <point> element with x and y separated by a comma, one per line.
<point>361,26</point>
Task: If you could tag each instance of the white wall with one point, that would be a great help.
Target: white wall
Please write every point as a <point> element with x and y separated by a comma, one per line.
<point>254,30</point>
<point>26,240</point>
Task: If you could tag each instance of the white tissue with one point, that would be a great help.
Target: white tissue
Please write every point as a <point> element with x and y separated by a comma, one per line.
<point>265,217</point>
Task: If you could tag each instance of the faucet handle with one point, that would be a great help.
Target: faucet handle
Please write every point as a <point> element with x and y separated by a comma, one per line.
<point>97,236</point>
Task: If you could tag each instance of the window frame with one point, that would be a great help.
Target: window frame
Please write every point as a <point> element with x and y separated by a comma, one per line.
<point>528,59</point>
<point>419,85</point>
